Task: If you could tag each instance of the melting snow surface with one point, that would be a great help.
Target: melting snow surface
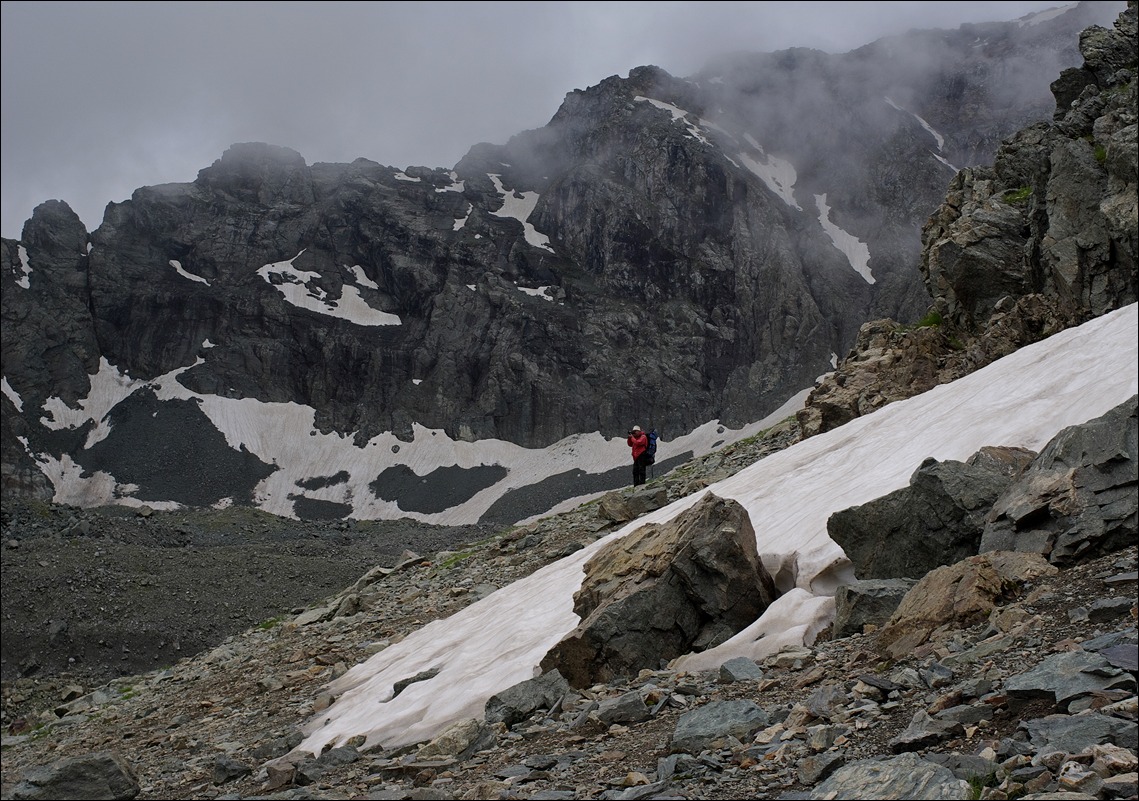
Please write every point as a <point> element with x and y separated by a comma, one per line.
<point>678,115</point>
<point>777,173</point>
<point>177,265</point>
<point>25,268</point>
<point>362,278</point>
<point>462,221</point>
<point>856,252</point>
<point>1043,16</point>
<point>108,388</point>
<point>538,292</point>
<point>284,434</point>
<point>455,186</point>
<point>1021,400</point>
<point>940,139</point>
<point>518,206</point>
<point>944,161</point>
<point>299,288</point>
<point>11,394</point>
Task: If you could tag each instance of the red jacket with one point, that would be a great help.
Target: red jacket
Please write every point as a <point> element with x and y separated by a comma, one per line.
<point>639,442</point>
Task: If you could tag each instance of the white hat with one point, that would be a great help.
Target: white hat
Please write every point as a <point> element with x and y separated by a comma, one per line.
<point>636,428</point>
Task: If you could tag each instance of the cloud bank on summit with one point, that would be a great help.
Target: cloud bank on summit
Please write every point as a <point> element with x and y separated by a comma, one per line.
<point>105,98</point>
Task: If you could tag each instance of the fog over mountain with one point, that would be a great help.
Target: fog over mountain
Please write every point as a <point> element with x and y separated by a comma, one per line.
<point>102,100</point>
<point>882,308</point>
<point>337,340</point>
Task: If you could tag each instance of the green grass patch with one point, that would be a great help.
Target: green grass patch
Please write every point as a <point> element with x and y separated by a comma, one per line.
<point>931,320</point>
<point>455,559</point>
<point>41,509</point>
<point>39,731</point>
<point>1100,153</point>
<point>977,784</point>
<point>1013,196</point>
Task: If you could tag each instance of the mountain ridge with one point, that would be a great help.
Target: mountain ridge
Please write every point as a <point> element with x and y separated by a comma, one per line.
<point>516,279</point>
<point>970,710</point>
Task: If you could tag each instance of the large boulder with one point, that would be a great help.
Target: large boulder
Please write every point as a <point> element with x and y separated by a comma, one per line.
<point>958,595</point>
<point>520,701</point>
<point>903,776</point>
<point>663,591</point>
<point>1077,499</point>
<point>713,723</point>
<point>863,603</point>
<point>104,774</point>
<point>937,520</point>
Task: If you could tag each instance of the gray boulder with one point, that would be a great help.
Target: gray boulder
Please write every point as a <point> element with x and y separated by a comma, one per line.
<point>663,591</point>
<point>1074,733</point>
<point>1077,499</point>
<point>523,699</point>
<point>460,740</point>
<point>701,728</point>
<point>1067,676</point>
<point>937,520</point>
<point>102,775</point>
<point>903,776</point>
<point>741,668</point>
<point>628,707</point>
<point>866,602</point>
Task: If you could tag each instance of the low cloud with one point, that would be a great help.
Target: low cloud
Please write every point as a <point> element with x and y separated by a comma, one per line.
<point>100,99</point>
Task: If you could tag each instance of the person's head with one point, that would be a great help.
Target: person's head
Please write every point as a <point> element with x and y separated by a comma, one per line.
<point>636,429</point>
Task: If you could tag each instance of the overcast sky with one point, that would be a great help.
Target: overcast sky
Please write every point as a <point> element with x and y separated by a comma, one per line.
<point>100,98</point>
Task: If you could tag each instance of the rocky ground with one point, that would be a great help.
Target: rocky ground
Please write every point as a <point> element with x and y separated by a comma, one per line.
<point>957,713</point>
<point>109,592</point>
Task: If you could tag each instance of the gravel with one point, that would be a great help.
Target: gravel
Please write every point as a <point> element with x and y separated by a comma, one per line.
<point>114,591</point>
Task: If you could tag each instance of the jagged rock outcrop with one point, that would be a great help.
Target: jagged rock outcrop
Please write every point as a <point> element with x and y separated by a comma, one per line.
<point>665,250</point>
<point>1077,499</point>
<point>665,590</point>
<point>105,774</point>
<point>1056,213</point>
<point>1073,502</point>
<point>937,520</point>
<point>963,594</point>
<point>889,107</point>
<point>1042,240</point>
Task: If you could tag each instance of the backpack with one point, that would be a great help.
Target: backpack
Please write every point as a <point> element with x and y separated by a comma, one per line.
<point>651,451</point>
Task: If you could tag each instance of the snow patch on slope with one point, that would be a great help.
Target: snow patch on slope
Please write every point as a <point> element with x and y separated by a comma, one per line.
<point>856,251</point>
<point>300,288</point>
<point>519,206</point>
<point>1021,400</point>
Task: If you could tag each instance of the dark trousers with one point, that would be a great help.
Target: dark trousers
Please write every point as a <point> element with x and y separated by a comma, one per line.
<point>638,472</point>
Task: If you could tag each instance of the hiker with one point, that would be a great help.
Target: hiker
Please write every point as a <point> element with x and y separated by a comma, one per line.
<point>639,442</point>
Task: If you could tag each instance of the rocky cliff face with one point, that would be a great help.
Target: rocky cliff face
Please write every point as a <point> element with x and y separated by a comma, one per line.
<point>665,251</point>
<point>973,670</point>
<point>1044,239</point>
